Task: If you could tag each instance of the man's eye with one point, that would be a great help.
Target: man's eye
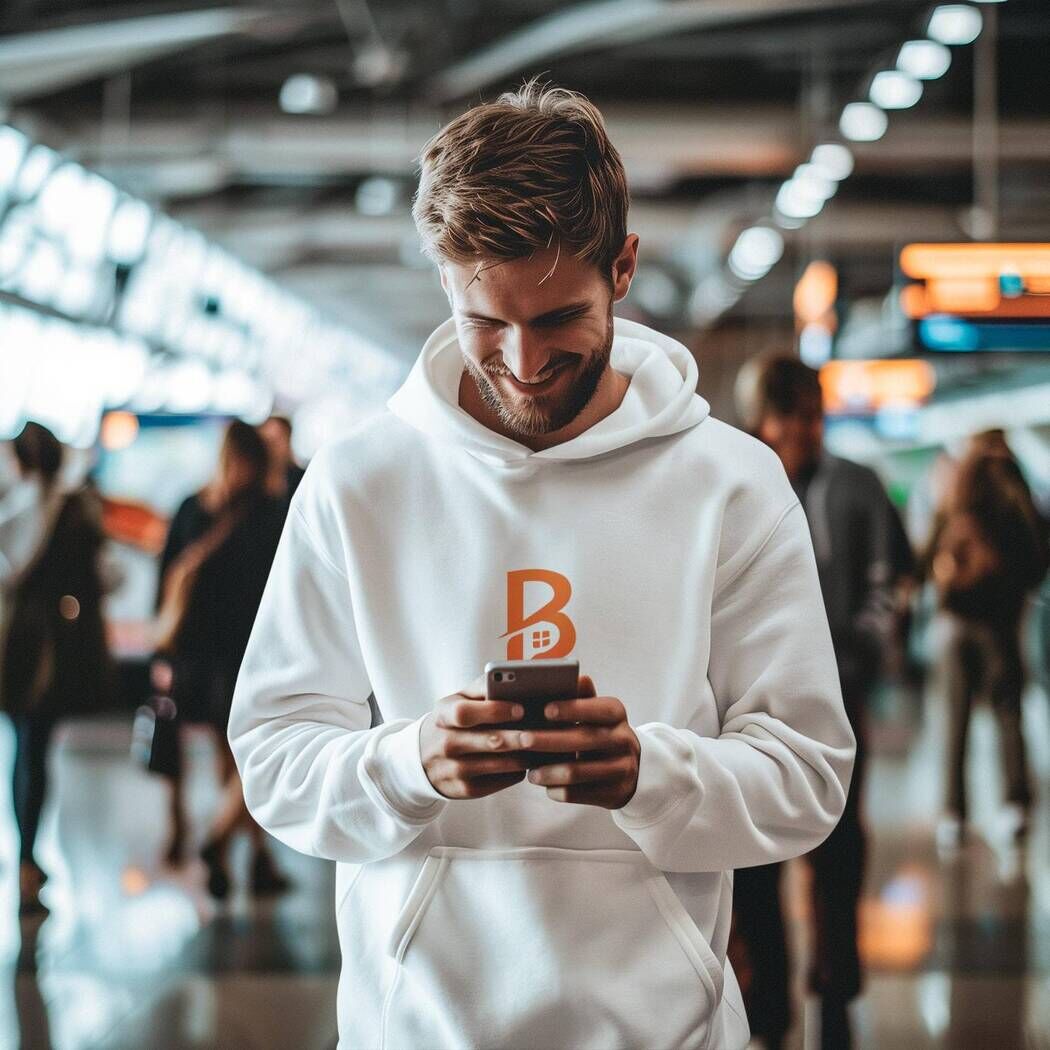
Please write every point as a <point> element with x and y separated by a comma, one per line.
<point>555,322</point>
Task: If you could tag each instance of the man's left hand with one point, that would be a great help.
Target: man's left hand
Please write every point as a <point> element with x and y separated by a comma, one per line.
<point>601,751</point>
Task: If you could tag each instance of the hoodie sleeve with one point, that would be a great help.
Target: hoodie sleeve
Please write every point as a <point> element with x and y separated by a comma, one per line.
<point>773,784</point>
<point>316,774</point>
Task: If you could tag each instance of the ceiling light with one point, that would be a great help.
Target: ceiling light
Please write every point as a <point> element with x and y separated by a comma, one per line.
<point>955,24</point>
<point>129,231</point>
<point>815,181</point>
<point>814,345</point>
<point>924,59</point>
<point>756,251</point>
<point>833,159</point>
<point>377,195</point>
<point>305,93</point>
<point>12,149</point>
<point>35,169</point>
<point>376,65</point>
<point>892,89</point>
<point>863,122</point>
<point>796,200</point>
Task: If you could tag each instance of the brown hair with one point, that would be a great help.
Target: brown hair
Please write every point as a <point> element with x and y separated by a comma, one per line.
<point>779,384</point>
<point>38,451</point>
<point>515,176</point>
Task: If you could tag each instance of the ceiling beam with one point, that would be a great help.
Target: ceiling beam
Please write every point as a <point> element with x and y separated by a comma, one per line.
<point>161,158</point>
<point>36,64</point>
<point>604,24</point>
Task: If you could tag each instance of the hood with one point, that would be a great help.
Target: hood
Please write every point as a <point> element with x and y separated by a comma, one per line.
<point>660,400</point>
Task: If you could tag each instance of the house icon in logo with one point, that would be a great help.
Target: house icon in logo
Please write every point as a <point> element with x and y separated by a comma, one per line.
<point>545,632</point>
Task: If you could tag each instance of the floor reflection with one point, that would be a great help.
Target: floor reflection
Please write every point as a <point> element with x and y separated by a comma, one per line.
<point>136,955</point>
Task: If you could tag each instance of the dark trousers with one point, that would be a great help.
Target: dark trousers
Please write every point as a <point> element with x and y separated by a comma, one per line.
<point>32,738</point>
<point>837,868</point>
<point>984,660</point>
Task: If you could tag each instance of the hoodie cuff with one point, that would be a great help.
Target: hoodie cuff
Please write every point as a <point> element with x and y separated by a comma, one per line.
<point>399,770</point>
<point>664,767</point>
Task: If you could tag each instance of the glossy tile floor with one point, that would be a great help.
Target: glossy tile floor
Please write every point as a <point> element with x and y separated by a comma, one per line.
<point>136,957</point>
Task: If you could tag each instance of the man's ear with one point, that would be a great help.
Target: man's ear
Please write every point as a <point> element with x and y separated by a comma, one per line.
<point>624,267</point>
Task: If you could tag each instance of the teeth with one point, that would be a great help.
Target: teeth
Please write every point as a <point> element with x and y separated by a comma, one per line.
<point>537,382</point>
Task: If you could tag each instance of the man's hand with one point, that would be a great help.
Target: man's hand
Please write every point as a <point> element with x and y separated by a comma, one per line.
<point>464,751</point>
<point>602,750</point>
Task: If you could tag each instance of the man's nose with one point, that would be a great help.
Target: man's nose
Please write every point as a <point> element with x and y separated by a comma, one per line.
<point>525,353</point>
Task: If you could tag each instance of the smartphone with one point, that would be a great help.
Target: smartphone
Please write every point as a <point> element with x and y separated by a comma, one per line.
<point>533,684</point>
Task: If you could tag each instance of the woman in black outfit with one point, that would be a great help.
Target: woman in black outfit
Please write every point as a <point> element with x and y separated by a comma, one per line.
<point>212,590</point>
<point>56,661</point>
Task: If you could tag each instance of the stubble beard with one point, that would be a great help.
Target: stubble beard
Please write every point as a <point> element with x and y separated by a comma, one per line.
<point>533,416</point>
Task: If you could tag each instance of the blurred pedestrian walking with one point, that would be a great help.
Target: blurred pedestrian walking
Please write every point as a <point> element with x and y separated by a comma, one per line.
<point>285,474</point>
<point>211,592</point>
<point>55,661</point>
<point>987,554</point>
<point>863,558</point>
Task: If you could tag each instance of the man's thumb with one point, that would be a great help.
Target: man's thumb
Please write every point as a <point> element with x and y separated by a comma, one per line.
<point>586,687</point>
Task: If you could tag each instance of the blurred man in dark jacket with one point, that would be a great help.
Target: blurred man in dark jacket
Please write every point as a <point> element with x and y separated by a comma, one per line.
<point>862,556</point>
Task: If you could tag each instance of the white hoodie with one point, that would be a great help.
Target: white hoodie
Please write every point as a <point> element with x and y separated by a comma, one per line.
<point>421,547</point>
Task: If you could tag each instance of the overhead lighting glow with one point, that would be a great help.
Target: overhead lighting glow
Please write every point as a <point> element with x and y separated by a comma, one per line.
<point>35,168</point>
<point>924,59</point>
<point>832,159</point>
<point>118,431</point>
<point>955,24</point>
<point>797,201</point>
<point>814,345</point>
<point>815,293</point>
<point>376,195</point>
<point>12,149</point>
<point>892,89</point>
<point>59,198</point>
<point>189,387</point>
<point>756,251</point>
<point>815,181</point>
<point>305,93</point>
<point>863,122</point>
<point>129,231</point>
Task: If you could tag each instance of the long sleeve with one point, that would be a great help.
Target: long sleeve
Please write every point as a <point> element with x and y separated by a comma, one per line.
<point>773,784</point>
<point>315,774</point>
<point>887,557</point>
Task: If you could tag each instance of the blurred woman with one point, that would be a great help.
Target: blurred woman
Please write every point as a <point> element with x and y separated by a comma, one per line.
<point>55,656</point>
<point>988,553</point>
<point>211,592</point>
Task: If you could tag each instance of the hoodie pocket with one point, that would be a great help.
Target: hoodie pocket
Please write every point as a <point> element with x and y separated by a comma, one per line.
<point>547,948</point>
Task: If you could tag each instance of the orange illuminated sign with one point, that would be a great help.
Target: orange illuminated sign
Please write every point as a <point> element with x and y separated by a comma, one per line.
<point>958,261</point>
<point>862,387</point>
<point>994,280</point>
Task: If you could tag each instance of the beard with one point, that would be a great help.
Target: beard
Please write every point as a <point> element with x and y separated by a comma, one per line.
<point>542,414</point>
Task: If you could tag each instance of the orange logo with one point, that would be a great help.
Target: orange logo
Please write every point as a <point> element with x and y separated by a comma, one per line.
<point>547,620</point>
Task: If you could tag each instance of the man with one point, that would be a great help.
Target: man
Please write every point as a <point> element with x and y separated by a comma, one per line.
<point>862,555</point>
<point>547,484</point>
<point>285,473</point>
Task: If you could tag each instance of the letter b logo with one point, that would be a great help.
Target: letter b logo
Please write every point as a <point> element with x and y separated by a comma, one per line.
<point>548,620</point>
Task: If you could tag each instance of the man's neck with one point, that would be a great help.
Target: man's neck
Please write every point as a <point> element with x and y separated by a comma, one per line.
<point>607,399</point>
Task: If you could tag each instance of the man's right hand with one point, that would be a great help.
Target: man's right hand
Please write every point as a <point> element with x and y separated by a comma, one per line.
<point>465,751</point>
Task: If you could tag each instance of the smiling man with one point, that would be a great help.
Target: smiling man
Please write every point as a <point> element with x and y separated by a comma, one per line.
<point>547,483</point>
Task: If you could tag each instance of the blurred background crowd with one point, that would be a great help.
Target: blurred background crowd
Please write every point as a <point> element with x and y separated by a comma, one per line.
<point>208,269</point>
